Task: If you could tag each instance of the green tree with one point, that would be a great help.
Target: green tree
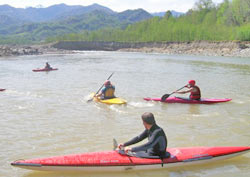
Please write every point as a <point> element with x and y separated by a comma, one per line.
<point>222,12</point>
<point>241,11</point>
<point>168,14</point>
<point>204,4</point>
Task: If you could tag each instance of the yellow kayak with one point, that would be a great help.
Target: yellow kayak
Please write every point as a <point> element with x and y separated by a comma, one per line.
<point>110,101</point>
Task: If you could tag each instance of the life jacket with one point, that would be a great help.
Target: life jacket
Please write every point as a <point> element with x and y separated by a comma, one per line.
<point>109,92</point>
<point>195,95</point>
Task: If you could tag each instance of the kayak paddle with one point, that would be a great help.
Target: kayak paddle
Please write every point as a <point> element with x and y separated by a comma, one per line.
<point>115,144</point>
<point>165,96</point>
<point>122,151</point>
<point>99,89</point>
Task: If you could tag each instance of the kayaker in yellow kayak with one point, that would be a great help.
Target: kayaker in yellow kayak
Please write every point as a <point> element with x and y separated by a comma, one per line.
<point>107,92</point>
<point>194,90</point>
<point>157,140</point>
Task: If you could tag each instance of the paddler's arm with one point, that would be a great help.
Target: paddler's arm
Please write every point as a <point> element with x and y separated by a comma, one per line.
<point>97,95</point>
<point>156,138</point>
<point>100,94</point>
<point>136,139</point>
<point>186,91</point>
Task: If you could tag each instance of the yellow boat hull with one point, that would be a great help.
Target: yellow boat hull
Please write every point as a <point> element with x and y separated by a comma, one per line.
<point>110,101</point>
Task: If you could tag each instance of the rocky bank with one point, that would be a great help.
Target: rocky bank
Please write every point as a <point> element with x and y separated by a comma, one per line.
<point>201,48</point>
<point>16,50</point>
<point>12,50</point>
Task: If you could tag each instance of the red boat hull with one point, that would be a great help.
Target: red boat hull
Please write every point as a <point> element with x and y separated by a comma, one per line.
<point>179,100</point>
<point>113,161</point>
<point>44,70</point>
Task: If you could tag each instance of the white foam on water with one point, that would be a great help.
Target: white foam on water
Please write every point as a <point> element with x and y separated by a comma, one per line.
<point>19,93</point>
<point>116,108</point>
<point>141,104</point>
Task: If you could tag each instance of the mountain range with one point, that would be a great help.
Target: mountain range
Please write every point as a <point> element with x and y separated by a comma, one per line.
<point>39,23</point>
<point>55,12</point>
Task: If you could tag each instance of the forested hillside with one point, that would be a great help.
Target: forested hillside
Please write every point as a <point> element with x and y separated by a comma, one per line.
<point>227,21</point>
<point>34,25</point>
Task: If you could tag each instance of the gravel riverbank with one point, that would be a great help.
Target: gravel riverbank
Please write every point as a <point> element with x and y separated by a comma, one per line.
<point>16,50</point>
<point>233,49</point>
<point>202,48</point>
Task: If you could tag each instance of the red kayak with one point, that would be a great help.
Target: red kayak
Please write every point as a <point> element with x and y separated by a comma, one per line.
<point>180,100</point>
<point>44,70</point>
<point>2,90</point>
<point>114,161</point>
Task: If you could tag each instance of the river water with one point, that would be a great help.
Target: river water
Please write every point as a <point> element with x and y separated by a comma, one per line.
<point>46,114</point>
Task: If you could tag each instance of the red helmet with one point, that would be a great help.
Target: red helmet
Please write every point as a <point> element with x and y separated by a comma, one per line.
<point>191,82</point>
<point>107,83</point>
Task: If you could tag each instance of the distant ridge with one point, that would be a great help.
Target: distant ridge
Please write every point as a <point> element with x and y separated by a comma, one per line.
<point>59,11</point>
<point>35,24</point>
<point>54,12</point>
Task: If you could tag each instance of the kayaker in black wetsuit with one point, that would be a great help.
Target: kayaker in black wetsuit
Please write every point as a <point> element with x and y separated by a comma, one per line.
<point>157,140</point>
<point>47,66</point>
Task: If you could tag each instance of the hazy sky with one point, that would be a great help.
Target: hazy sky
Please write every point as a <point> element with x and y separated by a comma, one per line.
<point>116,5</point>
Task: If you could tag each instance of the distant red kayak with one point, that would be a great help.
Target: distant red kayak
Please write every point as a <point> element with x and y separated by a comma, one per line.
<point>114,161</point>
<point>180,100</point>
<point>2,90</point>
<point>44,70</point>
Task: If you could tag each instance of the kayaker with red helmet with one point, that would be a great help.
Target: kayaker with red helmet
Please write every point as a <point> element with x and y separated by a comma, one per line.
<point>157,140</point>
<point>107,92</point>
<point>194,90</point>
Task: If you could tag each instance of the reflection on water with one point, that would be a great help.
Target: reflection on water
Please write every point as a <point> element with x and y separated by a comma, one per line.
<point>194,109</point>
<point>47,114</point>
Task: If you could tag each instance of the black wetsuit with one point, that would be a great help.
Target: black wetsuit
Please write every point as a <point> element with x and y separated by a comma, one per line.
<point>156,145</point>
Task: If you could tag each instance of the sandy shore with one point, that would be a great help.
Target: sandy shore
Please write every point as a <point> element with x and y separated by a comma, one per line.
<point>201,48</point>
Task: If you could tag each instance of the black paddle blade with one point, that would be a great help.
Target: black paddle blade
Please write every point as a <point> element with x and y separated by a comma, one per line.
<point>91,99</point>
<point>115,144</point>
<point>164,97</point>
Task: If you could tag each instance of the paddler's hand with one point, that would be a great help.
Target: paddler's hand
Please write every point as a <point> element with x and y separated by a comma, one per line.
<point>127,149</point>
<point>121,146</point>
<point>96,97</point>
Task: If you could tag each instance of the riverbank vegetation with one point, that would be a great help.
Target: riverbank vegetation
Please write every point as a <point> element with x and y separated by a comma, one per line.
<point>227,21</point>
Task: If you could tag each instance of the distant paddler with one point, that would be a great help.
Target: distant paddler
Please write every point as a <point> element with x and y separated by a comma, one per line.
<point>47,66</point>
